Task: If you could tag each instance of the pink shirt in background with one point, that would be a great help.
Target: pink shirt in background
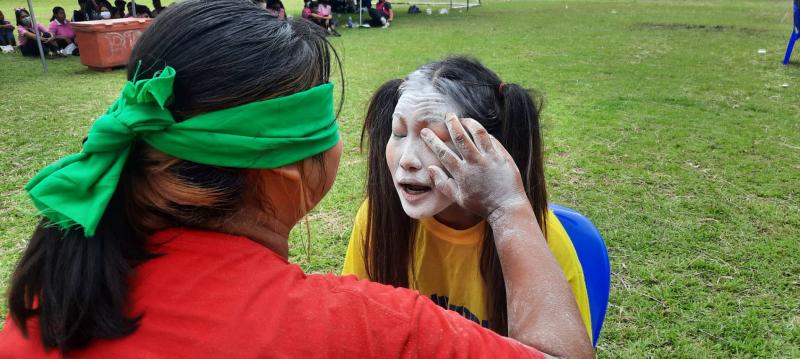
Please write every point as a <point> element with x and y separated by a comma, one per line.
<point>62,30</point>
<point>324,10</point>
<point>22,30</point>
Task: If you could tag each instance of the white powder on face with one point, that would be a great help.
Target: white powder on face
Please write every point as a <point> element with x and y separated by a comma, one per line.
<point>419,106</point>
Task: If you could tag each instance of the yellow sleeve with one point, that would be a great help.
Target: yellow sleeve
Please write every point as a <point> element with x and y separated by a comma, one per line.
<point>354,259</point>
<point>567,258</point>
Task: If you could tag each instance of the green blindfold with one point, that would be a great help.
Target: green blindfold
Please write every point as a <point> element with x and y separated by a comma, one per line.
<point>75,190</point>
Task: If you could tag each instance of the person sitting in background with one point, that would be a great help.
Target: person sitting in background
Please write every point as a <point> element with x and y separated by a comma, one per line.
<point>6,32</point>
<point>142,11</point>
<point>27,36</point>
<point>105,3</point>
<point>105,12</point>
<point>119,10</point>
<point>157,8</point>
<point>276,8</point>
<point>61,29</point>
<point>306,14</point>
<point>343,6</point>
<point>321,14</point>
<point>88,11</point>
<point>382,14</point>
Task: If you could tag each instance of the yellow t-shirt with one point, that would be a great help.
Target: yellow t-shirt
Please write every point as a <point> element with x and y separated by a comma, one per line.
<point>447,265</point>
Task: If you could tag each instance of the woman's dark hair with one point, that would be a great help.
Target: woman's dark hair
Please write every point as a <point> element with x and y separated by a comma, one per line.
<point>105,3</point>
<point>87,5</point>
<point>507,111</point>
<point>119,9</point>
<point>78,286</point>
<point>55,12</point>
<point>140,9</point>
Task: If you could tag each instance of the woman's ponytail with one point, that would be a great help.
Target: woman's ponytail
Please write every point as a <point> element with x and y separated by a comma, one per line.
<point>78,286</point>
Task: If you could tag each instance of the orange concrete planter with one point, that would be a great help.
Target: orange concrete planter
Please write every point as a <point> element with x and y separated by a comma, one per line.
<point>105,44</point>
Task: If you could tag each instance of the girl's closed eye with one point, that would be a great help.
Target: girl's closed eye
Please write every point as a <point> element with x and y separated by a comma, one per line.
<point>399,129</point>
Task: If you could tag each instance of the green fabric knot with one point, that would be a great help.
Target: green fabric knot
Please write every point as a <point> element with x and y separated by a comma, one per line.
<point>141,108</point>
<point>75,191</point>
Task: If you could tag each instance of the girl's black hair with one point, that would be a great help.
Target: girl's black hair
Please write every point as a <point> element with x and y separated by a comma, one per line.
<point>77,287</point>
<point>55,12</point>
<point>507,111</point>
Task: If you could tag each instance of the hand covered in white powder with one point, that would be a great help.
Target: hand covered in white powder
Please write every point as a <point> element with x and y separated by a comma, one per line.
<point>484,176</point>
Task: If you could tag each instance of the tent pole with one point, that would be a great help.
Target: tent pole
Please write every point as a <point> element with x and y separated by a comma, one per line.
<point>133,8</point>
<point>38,36</point>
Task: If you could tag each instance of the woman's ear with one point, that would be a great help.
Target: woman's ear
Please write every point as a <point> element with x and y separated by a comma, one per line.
<point>290,172</point>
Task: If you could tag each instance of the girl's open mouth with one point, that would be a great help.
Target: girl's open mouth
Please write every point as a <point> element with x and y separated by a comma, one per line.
<point>414,189</point>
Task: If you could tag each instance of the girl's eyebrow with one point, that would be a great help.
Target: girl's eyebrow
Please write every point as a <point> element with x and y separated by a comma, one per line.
<point>428,114</point>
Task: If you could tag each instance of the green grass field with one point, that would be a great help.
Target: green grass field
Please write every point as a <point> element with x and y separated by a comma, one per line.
<point>663,124</point>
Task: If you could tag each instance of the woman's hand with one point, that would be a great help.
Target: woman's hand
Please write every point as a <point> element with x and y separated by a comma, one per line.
<point>484,176</point>
<point>542,312</point>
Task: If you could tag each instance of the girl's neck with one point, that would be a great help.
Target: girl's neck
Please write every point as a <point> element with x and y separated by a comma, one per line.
<point>457,218</point>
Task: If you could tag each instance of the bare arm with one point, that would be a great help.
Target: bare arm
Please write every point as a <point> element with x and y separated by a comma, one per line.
<point>542,311</point>
<point>30,35</point>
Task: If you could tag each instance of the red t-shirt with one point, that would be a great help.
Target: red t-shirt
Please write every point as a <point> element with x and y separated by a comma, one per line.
<point>222,296</point>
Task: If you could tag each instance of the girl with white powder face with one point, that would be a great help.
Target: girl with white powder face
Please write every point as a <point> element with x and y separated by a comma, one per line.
<point>420,106</point>
<point>411,232</point>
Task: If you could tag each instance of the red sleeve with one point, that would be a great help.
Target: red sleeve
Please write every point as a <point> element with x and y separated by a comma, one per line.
<point>384,321</point>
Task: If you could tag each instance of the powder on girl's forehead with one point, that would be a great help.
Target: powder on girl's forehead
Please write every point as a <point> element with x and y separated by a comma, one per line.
<point>421,101</point>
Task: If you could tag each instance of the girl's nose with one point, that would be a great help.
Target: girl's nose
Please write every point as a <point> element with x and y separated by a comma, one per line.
<point>409,161</point>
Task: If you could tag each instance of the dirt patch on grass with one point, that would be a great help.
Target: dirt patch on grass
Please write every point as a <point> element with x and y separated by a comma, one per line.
<point>695,27</point>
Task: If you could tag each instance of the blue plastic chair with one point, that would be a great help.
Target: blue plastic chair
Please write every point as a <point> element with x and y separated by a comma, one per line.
<point>795,31</point>
<point>593,256</point>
